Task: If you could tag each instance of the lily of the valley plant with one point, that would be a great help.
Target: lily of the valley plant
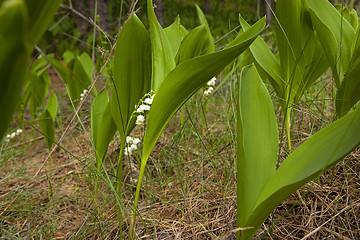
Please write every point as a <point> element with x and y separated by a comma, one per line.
<point>157,72</point>
<point>170,68</point>
<point>260,186</point>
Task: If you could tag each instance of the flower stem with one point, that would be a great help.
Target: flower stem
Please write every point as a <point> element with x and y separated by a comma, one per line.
<point>118,183</point>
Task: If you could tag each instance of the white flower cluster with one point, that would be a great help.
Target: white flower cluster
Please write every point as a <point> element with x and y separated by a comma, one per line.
<point>83,94</point>
<point>143,108</point>
<point>210,86</point>
<point>131,145</point>
<point>14,134</point>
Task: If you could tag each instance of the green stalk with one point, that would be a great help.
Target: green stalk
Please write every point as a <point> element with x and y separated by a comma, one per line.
<point>118,184</point>
<point>120,15</point>
<point>288,127</point>
<point>136,200</point>
<point>182,122</point>
<point>204,110</point>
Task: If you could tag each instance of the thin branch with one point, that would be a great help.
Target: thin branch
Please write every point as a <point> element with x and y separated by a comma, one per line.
<point>89,20</point>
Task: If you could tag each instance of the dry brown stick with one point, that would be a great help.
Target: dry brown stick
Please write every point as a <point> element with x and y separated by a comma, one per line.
<point>65,132</point>
<point>322,225</point>
<point>89,20</point>
<point>339,236</point>
<point>132,8</point>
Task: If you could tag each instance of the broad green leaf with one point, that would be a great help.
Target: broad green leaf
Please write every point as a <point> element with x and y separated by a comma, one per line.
<point>336,35</point>
<point>60,67</point>
<point>36,87</point>
<point>354,19</point>
<point>196,43</point>
<point>257,142</point>
<point>97,110</point>
<point>52,105</point>
<point>81,79</point>
<point>317,65</point>
<point>267,61</point>
<point>349,91</point>
<point>87,64</point>
<point>350,16</point>
<point>14,58</point>
<point>76,72</point>
<point>41,13</point>
<point>298,49</point>
<point>175,35</point>
<point>288,34</point>
<point>301,56</point>
<point>47,118</point>
<point>21,25</point>
<point>106,132</point>
<point>204,22</point>
<point>102,125</point>
<point>39,66</point>
<point>342,46</point>
<point>68,58</point>
<point>186,79</point>
<point>307,162</point>
<point>132,73</point>
<point>355,50</point>
<point>39,87</point>
<point>47,127</point>
<point>162,54</point>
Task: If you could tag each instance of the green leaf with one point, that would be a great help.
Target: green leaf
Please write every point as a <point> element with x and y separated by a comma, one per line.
<point>39,66</point>
<point>47,127</point>
<point>267,61</point>
<point>307,162</point>
<point>76,72</point>
<point>47,118</point>
<point>336,36</point>
<point>81,78</point>
<point>175,35</point>
<point>132,73</point>
<point>21,25</point>
<point>68,58</point>
<point>14,59</point>
<point>300,53</point>
<point>97,110</point>
<point>349,91</point>
<point>302,59</point>
<point>87,64</point>
<point>257,142</point>
<point>102,126</point>
<point>39,86</point>
<point>52,105</point>
<point>354,19</point>
<point>203,21</point>
<point>196,43</point>
<point>288,34</point>
<point>186,79</point>
<point>162,54</point>
<point>41,13</point>
<point>60,67</point>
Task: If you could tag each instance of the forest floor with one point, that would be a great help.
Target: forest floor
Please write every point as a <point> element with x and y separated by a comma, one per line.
<point>189,191</point>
